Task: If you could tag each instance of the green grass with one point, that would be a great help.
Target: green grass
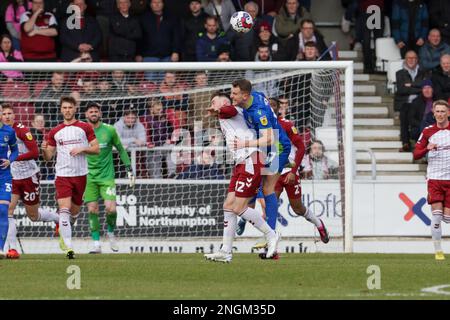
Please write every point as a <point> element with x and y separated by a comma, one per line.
<point>189,276</point>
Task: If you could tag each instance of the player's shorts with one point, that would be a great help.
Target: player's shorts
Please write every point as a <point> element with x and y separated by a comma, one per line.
<point>99,189</point>
<point>294,191</point>
<point>279,162</point>
<point>243,183</point>
<point>5,189</point>
<point>71,187</point>
<point>27,189</point>
<point>439,191</point>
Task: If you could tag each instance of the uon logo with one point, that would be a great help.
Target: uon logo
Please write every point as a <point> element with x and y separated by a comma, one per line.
<point>414,209</point>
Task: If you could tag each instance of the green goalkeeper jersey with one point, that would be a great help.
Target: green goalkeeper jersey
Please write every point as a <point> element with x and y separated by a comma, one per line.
<point>101,166</point>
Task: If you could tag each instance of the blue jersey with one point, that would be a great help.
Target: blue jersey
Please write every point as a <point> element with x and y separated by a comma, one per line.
<point>261,116</point>
<point>8,143</point>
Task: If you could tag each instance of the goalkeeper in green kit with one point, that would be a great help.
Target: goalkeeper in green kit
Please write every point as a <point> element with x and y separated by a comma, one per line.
<point>100,179</point>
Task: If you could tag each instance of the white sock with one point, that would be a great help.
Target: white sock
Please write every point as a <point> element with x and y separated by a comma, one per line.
<point>436,231</point>
<point>47,215</point>
<point>96,243</point>
<point>446,219</point>
<point>65,229</point>
<point>12,233</point>
<point>311,217</point>
<point>255,218</point>
<point>229,229</point>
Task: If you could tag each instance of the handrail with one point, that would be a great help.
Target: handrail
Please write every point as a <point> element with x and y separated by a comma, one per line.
<point>373,161</point>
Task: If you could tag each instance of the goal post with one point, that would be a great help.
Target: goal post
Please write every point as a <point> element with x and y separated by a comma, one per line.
<point>326,106</point>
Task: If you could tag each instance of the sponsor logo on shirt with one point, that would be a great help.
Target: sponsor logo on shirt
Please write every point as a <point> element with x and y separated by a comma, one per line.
<point>61,142</point>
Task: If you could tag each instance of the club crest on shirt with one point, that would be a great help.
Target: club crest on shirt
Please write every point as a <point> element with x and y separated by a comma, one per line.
<point>29,136</point>
<point>6,138</point>
<point>263,120</point>
<point>294,130</point>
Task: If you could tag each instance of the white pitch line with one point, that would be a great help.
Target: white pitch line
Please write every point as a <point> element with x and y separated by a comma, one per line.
<point>438,289</point>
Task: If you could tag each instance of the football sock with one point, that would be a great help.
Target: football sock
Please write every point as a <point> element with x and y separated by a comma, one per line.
<point>12,233</point>
<point>111,221</point>
<point>255,218</point>
<point>446,219</point>
<point>47,215</point>
<point>311,217</point>
<point>229,228</point>
<point>4,224</point>
<point>436,231</point>
<point>65,229</point>
<point>271,210</point>
<point>94,225</point>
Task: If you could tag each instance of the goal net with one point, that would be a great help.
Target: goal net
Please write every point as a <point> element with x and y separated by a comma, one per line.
<point>179,154</point>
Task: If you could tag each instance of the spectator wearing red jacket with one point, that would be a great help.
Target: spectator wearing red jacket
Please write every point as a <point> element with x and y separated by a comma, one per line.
<point>38,34</point>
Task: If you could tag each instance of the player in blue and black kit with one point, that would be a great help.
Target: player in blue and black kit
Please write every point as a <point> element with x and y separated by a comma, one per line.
<point>272,140</point>
<point>8,143</point>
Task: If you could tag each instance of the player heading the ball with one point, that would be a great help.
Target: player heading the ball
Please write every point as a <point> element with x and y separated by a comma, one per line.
<point>71,140</point>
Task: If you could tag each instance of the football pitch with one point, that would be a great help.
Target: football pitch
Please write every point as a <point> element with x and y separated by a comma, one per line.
<point>189,276</point>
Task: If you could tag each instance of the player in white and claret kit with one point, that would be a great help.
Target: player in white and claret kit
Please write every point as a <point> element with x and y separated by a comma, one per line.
<point>244,182</point>
<point>71,140</point>
<point>25,181</point>
<point>435,141</point>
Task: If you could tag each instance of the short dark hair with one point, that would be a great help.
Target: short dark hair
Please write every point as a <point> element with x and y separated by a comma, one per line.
<point>243,84</point>
<point>212,18</point>
<point>67,99</point>
<point>262,45</point>
<point>220,94</point>
<point>302,23</point>
<point>129,111</point>
<point>92,105</point>
<point>310,44</point>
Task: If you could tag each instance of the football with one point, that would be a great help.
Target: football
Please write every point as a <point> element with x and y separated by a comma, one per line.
<point>241,21</point>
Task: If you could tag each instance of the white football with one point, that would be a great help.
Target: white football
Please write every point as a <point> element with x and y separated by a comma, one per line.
<point>241,21</point>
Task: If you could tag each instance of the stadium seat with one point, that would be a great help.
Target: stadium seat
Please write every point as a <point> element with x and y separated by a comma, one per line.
<point>386,50</point>
<point>24,110</point>
<point>38,87</point>
<point>393,67</point>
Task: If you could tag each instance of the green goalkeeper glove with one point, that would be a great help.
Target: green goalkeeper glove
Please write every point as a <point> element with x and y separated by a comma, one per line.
<point>131,177</point>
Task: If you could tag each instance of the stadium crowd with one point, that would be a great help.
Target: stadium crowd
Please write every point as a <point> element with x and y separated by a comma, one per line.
<point>183,30</point>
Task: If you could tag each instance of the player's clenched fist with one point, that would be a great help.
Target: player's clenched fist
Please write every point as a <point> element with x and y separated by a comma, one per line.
<point>44,144</point>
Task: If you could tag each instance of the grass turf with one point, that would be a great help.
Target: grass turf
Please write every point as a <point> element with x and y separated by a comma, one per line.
<point>189,276</point>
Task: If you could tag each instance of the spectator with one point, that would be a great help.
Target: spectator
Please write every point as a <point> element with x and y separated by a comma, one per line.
<point>58,8</point>
<point>199,101</point>
<point>440,17</point>
<point>431,52</point>
<point>205,168</point>
<point>12,19</point>
<point>175,102</point>
<point>311,53</point>
<point>132,134</point>
<point>441,79</point>
<point>39,132</point>
<point>268,87</point>
<point>409,24</point>
<point>421,110</point>
<point>308,33</point>
<point>159,132</point>
<point>242,42</point>
<point>119,83</point>
<point>191,27</point>
<point>84,57</point>
<point>51,95</point>
<point>208,43</point>
<point>408,82</point>
<point>369,34</point>
<point>88,88</point>
<point>224,53</point>
<point>104,11</point>
<point>38,30</point>
<point>222,10</point>
<point>316,164</point>
<point>287,22</point>
<point>125,31</point>
<point>130,130</point>
<point>9,54</point>
<point>84,37</point>
<point>265,37</point>
<point>138,7</point>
